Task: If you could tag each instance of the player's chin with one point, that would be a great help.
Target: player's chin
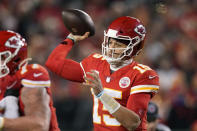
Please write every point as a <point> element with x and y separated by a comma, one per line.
<point>114,56</point>
<point>113,61</point>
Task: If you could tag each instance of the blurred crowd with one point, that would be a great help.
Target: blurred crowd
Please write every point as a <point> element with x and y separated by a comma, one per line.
<point>170,49</point>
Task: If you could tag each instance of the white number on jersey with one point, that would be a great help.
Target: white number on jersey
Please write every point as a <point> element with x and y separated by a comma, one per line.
<point>107,119</point>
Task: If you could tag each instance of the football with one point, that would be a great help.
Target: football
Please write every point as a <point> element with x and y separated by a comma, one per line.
<point>78,22</point>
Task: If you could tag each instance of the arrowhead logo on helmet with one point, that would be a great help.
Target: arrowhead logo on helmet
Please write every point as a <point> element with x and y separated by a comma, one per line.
<point>140,29</point>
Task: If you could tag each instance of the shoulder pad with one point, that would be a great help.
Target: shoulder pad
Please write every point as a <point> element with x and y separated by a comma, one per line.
<point>34,75</point>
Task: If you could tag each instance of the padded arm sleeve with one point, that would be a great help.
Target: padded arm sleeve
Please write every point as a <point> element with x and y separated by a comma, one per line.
<point>66,68</point>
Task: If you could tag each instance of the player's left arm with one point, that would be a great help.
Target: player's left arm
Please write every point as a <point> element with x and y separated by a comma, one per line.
<point>128,118</point>
<point>125,115</point>
<point>37,112</point>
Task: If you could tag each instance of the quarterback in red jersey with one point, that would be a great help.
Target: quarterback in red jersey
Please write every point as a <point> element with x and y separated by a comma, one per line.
<point>25,89</point>
<point>121,87</point>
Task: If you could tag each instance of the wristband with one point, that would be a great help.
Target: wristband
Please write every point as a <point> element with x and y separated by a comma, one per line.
<point>71,37</point>
<point>1,123</point>
<point>100,94</point>
<point>109,103</point>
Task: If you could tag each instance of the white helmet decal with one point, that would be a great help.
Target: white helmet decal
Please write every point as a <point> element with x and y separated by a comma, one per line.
<point>140,29</point>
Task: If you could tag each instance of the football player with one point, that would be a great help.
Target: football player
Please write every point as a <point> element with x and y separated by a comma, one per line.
<point>30,84</point>
<point>121,87</point>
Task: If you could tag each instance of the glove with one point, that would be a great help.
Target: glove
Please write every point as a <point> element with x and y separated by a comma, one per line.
<point>9,107</point>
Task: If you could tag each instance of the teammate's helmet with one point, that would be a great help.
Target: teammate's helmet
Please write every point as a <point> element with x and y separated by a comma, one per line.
<point>127,29</point>
<point>13,52</point>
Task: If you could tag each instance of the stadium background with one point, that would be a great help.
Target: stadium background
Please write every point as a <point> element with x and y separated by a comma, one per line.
<point>170,48</point>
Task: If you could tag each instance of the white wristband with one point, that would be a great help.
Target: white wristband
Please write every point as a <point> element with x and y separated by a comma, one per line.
<point>109,103</point>
<point>70,36</point>
<point>1,123</point>
<point>100,94</point>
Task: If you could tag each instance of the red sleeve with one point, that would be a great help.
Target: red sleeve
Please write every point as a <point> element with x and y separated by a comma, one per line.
<point>34,75</point>
<point>147,82</point>
<point>67,68</point>
<point>36,72</point>
<point>149,77</point>
<point>139,104</point>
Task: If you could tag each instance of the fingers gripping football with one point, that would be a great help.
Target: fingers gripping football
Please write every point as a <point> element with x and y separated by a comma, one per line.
<point>77,38</point>
<point>93,82</point>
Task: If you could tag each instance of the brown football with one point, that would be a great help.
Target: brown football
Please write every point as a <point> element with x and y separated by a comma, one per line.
<point>78,22</point>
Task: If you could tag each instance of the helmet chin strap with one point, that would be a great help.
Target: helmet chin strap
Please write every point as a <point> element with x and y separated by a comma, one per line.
<point>117,64</point>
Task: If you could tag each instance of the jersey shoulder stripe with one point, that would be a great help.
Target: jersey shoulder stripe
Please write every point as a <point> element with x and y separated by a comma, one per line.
<point>34,84</point>
<point>144,88</point>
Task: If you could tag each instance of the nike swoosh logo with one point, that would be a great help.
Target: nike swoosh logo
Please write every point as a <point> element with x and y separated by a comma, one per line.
<point>37,74</point>
<point>151,77</point>
<point>12,85</point>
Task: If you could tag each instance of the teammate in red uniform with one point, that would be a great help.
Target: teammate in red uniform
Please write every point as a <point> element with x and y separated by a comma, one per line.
<point>121,87</point>
<point>30,82</point>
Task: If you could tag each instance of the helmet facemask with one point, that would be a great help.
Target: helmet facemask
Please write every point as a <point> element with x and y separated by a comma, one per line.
<point>108,53</point>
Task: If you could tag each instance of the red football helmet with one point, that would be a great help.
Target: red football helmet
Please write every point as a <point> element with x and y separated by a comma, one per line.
<point>13,52</point>
<point>128,29</point>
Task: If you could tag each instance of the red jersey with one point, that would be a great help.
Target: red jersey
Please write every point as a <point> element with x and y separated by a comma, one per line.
<point>132,85</point>
<point>30,76</point>
<point>121,85</point>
